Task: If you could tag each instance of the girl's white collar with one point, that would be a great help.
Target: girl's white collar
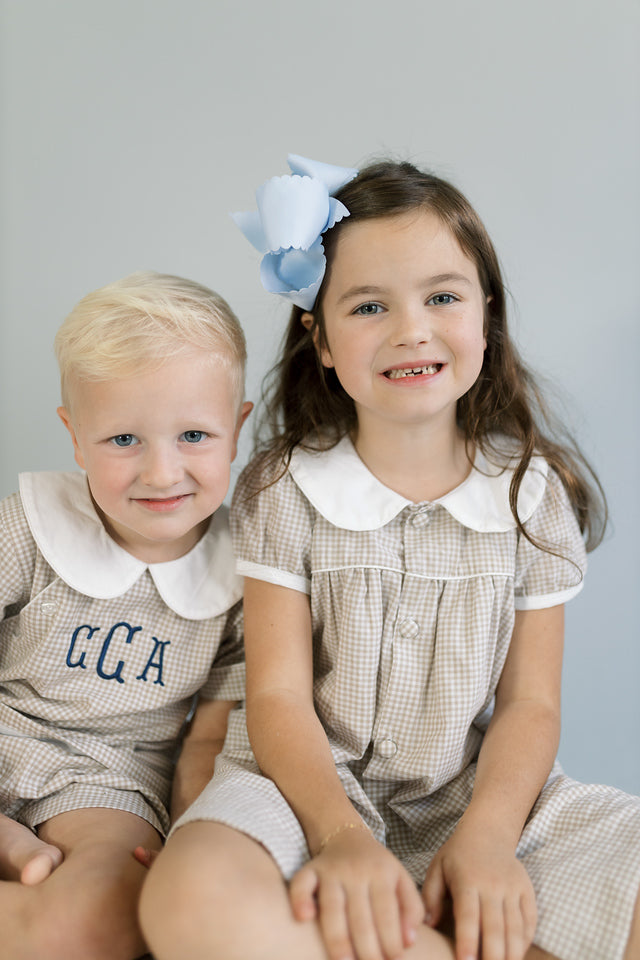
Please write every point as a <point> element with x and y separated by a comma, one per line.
<point>73,541</point>
<point>348,495</point>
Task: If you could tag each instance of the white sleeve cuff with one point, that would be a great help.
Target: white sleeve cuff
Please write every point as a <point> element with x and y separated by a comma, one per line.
<point>281,578</point>
<point>543,601</point>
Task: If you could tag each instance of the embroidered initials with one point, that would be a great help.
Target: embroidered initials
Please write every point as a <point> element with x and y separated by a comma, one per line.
<point>108,666</point>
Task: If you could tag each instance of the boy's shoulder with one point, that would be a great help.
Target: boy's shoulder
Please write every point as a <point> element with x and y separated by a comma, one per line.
<point>60,516</point>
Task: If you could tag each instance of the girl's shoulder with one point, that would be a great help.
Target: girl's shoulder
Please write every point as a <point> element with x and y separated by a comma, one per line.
<point>274,466</point>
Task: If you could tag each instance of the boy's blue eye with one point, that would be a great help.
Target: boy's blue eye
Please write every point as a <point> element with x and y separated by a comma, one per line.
<point>442,299</point>
<point>124,440</point>
<point>368,309</point>
<point>193,436</point>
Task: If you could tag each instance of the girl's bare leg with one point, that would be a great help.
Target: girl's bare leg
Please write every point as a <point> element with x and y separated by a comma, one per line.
<point>23,856</point>
<point>88,906</point>
<point>213,892</point>
<point>633,946</point>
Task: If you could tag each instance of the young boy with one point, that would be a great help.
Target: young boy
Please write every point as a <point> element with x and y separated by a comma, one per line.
<point>120,605</point>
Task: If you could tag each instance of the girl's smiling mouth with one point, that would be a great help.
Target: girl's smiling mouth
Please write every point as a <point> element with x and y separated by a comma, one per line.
<point>399,373</point>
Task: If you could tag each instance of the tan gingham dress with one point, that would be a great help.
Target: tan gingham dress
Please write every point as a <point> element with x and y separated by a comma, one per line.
<point>413,609</point>
<point>101,655</point>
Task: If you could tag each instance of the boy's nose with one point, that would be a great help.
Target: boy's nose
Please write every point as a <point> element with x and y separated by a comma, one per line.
<point>161,468</point>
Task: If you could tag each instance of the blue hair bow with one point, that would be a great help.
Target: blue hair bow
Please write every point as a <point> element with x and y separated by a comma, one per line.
<point>293,213</point>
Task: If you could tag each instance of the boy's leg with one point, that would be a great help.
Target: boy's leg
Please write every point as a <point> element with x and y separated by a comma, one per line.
<point>214,892</point>
<point>23,856</point>
<point>88,906</point>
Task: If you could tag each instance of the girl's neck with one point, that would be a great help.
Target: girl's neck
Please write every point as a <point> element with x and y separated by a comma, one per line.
<point>420,464</point>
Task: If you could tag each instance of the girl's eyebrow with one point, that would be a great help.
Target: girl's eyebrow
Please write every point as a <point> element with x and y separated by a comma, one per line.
<point>436,280</point>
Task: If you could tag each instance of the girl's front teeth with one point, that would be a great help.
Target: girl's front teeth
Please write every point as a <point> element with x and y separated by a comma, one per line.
<point>413,371</point>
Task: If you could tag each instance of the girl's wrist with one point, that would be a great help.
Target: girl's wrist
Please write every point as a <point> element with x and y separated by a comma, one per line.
<point>342,828</point>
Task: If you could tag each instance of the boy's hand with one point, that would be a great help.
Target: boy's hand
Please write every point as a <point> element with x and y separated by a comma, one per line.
<point>493,899</point>
<point>144,856</point>
<point>367,905</point>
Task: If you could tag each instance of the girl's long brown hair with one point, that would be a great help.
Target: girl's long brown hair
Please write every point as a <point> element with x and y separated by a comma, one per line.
<point>306,404</point>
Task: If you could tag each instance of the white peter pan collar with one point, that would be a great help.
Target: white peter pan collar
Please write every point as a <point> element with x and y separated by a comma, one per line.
<point>73,541</point>
<point>348,495</point>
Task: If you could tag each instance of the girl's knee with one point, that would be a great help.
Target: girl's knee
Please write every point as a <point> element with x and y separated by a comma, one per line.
<point>208,893</point>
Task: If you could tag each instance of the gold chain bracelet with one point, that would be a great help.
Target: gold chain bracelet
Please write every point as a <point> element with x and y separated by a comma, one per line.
<point>341,829</point>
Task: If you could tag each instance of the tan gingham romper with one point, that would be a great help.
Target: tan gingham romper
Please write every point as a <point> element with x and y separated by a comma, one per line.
<point>101,654</point>
<point>413,609</point>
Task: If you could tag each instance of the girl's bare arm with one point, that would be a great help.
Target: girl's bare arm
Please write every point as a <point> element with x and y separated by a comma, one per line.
<point>358,892</point>
<point>492,894</point>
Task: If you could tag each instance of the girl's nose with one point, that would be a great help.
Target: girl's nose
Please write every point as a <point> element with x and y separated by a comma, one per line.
<point>412,326</point>
<point>161,468</point>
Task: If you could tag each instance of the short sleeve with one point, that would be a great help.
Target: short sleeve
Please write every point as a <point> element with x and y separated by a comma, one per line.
<point>17,555</point>
<point>551,571</point>
<point>226,680</point>
<point>271,525</point>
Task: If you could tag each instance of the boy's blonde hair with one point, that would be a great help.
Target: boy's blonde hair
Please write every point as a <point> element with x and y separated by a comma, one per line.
<point>142,320</point>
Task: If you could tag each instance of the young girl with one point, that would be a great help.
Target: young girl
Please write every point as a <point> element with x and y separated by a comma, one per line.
<point>408,538</point>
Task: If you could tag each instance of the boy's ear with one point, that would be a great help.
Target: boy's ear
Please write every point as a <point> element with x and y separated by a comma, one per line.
<point>325,357</point>
<point>245,410</point>
<point>65,416</point>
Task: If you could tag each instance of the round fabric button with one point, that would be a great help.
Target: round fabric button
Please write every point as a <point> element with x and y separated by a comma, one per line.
<point>48,606</point>
<point>409,629</point>
<point>386,748</point>
<point>421,517</point>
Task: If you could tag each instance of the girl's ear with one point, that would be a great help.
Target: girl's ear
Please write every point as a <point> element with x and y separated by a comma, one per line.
<point>324,354</point>
<point>488,300</point>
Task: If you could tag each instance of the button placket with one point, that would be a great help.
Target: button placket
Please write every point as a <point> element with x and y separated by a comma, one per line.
<point>386,748</point>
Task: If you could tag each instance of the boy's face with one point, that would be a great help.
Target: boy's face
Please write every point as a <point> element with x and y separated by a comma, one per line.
<point>157,448</point>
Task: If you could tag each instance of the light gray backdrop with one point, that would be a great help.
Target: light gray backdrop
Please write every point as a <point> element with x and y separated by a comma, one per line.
<point>131,128</point>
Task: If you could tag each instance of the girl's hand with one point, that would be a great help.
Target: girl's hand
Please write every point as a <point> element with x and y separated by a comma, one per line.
<point>366,904</point>
<point>493,899</point>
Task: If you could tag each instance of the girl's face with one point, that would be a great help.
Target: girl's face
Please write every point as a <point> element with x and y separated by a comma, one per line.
<point>404,320</point>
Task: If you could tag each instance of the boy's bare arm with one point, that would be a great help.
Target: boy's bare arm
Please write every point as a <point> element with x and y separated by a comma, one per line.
<point>200,747</point>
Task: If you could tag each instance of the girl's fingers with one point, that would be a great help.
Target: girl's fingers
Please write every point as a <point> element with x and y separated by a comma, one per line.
<point>466,913</point>
<point>434,890</point>
<point>412,909</point>
<point>302,894</point>
<point>492,925</point>
<point>333,922</point>
<point>529,915</point>
<point>366,925</point>
<point>515,941</point>
<point>387,911</point>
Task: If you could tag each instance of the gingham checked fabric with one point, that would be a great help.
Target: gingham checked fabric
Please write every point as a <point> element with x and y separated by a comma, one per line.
<point>94,691</point>
<point>412,617</point>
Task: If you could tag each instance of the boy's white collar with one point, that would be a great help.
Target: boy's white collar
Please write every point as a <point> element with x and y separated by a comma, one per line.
<point>348,495</point>
<point>73,541</point>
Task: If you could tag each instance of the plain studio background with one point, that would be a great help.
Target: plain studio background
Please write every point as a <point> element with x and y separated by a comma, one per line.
<point>130,129</point>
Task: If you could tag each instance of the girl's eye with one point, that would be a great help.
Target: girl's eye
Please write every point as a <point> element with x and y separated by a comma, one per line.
<point>368,309</point>
<point>124,440</point>
<point>442,299</point>
<point>193,436</point>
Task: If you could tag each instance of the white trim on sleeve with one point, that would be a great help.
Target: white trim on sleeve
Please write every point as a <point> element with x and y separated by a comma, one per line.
<point>543,601</point>
<point>281,578</point>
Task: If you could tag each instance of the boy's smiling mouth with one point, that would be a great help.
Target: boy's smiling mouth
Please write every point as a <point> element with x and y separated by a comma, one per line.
<point>400,372</point>
<point>161,504</point>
